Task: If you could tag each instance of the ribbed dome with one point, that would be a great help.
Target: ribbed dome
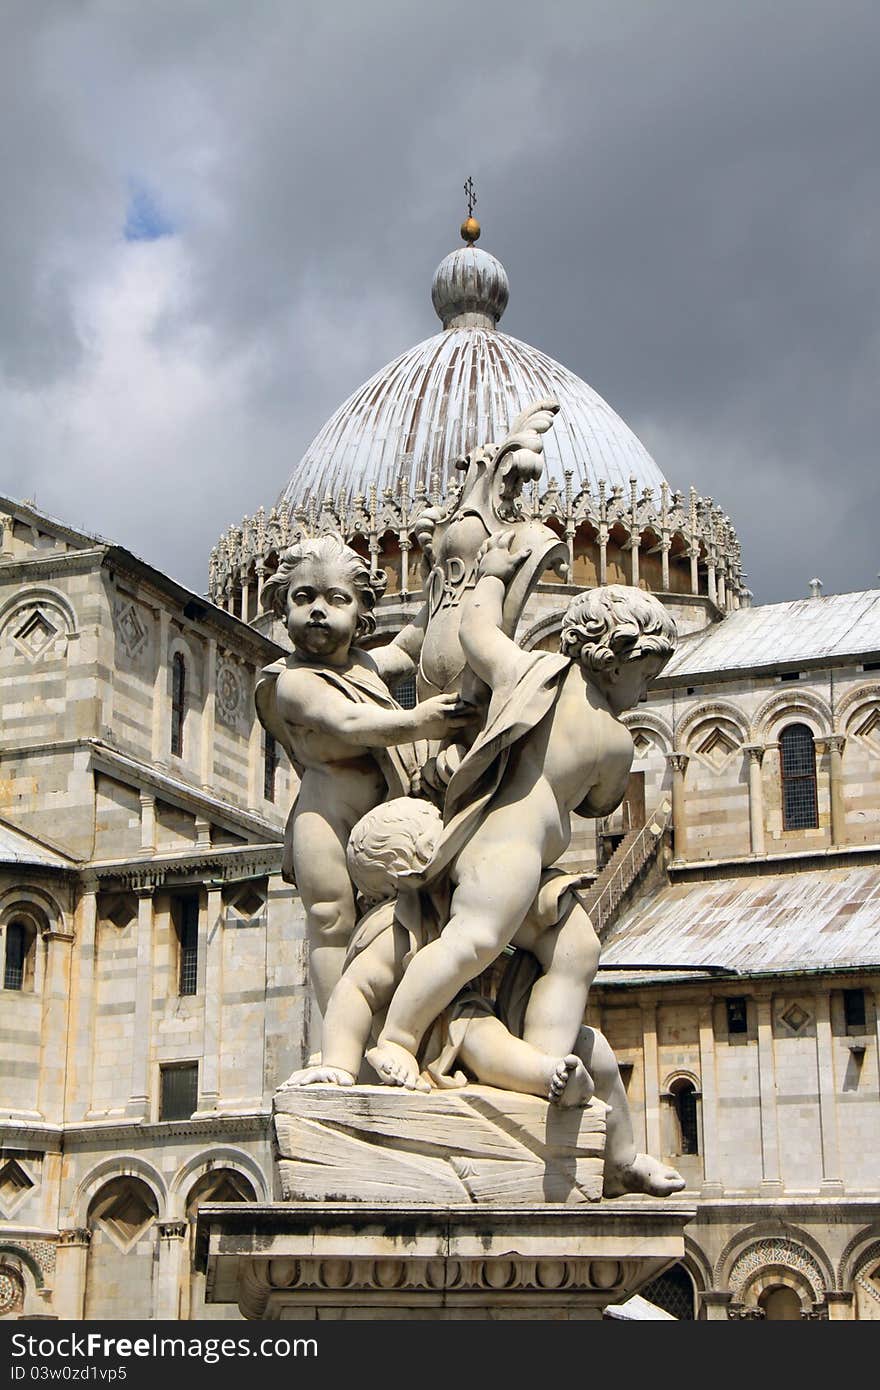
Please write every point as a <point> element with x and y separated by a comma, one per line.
<point>462,388</point>
<point>452,392</point>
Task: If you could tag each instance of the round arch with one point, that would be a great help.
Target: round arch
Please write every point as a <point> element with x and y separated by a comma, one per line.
<point>201,1164</point>
<point>658,728</point>
<point>792,706</point>
<point>128,1166</point>
<point>712,711</point>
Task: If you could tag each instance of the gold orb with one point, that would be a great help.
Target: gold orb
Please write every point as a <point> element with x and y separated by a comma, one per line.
<point>470,230</point>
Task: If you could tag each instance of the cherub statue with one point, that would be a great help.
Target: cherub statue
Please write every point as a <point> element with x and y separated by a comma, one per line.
<point>490,1041</point>
<point>330,707</point>
<point>552,743</point>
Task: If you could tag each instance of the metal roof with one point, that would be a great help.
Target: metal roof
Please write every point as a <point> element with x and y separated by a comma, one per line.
<point>820,919</point>
<point>454,391</point>
<point>776,634</point>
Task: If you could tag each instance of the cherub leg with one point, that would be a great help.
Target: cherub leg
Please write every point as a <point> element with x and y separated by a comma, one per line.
<point>327,896</point>
<point>490,901</point>
<point>626,1170</point>
<point>362,991</point>
<point>568,953</point>
<point>497,1058</point>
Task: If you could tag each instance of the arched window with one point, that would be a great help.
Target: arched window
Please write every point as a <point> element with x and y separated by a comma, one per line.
<point>684,1102</point>
<point>780,1304</point>
<point>18,942</point>
<point>178,703</point>
<point>797,756</point>
<point>673,1292</point>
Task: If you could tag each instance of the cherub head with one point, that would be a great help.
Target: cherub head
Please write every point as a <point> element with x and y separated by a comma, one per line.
<point>391,842</point>
<point>623,637</point>
<point>324,592</point>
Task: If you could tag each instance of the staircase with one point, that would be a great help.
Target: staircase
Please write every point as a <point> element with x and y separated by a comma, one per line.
<point>637,847</point>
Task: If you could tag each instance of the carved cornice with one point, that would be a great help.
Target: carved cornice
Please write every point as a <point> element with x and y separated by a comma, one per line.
<point>172,1230</point>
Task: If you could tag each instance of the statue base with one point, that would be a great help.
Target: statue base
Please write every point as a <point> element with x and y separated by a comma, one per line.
<point>379,1144</point>
<point>464,1204</point>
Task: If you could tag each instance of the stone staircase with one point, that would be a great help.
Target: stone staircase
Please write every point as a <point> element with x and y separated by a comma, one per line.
<point>636,849</point>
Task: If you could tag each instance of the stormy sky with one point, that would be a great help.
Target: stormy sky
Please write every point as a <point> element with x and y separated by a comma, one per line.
<point>219,218</point>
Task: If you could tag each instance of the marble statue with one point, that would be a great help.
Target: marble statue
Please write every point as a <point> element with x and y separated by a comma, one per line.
<point>444,823</point>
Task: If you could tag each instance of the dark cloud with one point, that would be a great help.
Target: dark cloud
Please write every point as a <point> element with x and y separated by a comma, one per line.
<point>684,195</point>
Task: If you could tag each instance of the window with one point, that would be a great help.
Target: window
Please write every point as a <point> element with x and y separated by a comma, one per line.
<point>270,765</point>
<point>18,940</point>
<point>854,1008</point>
<point>405,692</point>
<point>179,1091</point>
<point>673,1292</point>
<point>684,1102</point>
<point>737,1016</point>
<point>798,760</point>
<point>185,915</point>
<point>178,703</point>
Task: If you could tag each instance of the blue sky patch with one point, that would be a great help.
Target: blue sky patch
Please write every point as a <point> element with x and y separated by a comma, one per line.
<point>144,218</point>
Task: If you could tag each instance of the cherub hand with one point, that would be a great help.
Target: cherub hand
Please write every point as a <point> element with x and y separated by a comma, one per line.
<point>495,558</point>
<point>437,717</point>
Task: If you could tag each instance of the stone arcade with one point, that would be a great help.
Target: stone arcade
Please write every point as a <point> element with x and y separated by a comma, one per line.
<point>154,960</point>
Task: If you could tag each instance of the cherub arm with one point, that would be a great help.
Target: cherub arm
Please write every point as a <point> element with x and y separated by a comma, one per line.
<point>305,700</point>
<point>491,654</point>
<point>400,657</point>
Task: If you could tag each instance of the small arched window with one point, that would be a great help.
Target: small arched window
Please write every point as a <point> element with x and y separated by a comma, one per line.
<point>178,703</point>
<point>684,1103</point>
<point>797,756</point>
<point>15,955</point>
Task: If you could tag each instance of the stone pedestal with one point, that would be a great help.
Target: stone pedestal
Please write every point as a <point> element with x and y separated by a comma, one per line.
<point>455,1204</point>
<point>303,1261</point>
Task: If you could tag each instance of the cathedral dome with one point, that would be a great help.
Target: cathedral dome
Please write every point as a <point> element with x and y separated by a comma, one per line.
<point>463,387</point>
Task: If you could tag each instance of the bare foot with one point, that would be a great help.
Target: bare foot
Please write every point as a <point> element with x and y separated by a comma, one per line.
<point>644,1174</point>
<point>394,1066</point>
<point>571,1083</point>
<point>318,1076</point>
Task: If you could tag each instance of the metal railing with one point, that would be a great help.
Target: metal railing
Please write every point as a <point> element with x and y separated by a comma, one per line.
<point>627,862</point>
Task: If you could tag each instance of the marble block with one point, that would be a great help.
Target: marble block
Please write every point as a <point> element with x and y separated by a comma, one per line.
<point>378,1144</point>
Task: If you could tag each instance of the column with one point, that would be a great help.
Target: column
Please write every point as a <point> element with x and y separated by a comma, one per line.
<point>712,1184</point>
<point>210,987</point>
<point>634,559</point>
<point>148,823</point>
<point>653,1137</point>
<point>161,712</point>
<point>756,797</point>
<point>831,1177</point>
<point>716,1303</point>
<point>80,1043</point>
<point>139,1101</point>
<point>245,598</point>
<point>405,546</point>
<point>678,761</point>
<point>835,743</point>
<point>771,1184</point>
<point>208,710</point>
<point>255,766</point>
<point>172,1243</point>
<point>54,1025</point>
<point>665,544</point>
<point>603,553</point>
<point>71,1260</point>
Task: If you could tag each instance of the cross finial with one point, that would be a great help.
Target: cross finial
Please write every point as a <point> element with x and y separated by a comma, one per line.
<point>471,195</point>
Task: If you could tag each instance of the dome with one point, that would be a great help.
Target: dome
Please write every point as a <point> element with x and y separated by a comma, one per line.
<point>470,289</point>
<point>454,391</point>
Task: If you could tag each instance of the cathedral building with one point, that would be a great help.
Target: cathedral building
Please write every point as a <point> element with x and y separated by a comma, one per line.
<point>154,986</point>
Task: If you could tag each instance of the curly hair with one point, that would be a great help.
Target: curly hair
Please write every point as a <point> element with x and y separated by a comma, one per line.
<point>391,841</point>
<point>616,623</point>
<point>327,550</point>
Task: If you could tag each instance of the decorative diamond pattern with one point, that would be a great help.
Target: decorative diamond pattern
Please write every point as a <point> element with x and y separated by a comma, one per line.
<point>35,634</point>
<point>14,1183</point>
<point>795,1017</point>
<point>716,748</point>
<point>131,629</point>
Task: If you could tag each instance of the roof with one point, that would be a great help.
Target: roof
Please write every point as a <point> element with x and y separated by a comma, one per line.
<point>457,390</point>
<point>823,919</point>
<point>781,634</point>
<point>19,848</point>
